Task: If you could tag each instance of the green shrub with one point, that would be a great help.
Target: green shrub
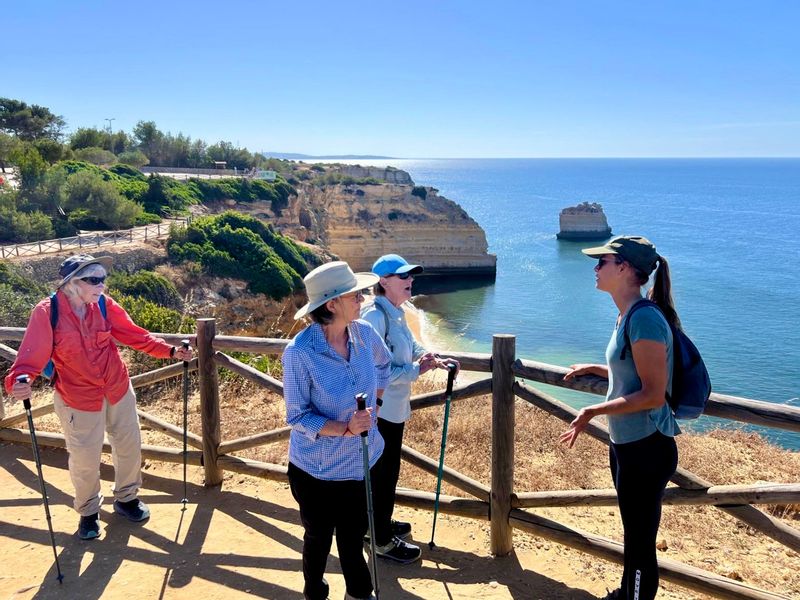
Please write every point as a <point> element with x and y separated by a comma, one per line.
<point>147,218</point>
<point>126,170</point>
<point>155,318</point>
<point>96,156</point>
<point>18,295</point>
<point>135,158</point>
<point>236,245</point>
<point>96,200</point>
<point>147,285</point>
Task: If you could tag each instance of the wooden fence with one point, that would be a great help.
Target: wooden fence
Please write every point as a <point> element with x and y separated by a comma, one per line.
<point>93,239</point>
<point>496,502</point>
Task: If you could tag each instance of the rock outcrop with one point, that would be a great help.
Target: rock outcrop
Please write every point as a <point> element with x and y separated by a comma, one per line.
<point>359,223</point>
<point>586,221</point>
<point>385,174</point>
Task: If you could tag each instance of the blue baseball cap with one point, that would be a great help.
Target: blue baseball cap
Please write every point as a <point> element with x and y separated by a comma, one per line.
<point>393,264</point>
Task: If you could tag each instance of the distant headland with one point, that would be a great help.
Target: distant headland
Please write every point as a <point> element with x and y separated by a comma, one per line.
<point>296,156</point>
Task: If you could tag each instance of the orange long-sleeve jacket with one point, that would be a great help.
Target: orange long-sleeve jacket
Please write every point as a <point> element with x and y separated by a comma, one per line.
<point>88,365</point>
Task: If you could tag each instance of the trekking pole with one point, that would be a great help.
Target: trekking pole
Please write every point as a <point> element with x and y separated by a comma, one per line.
<point>185,344</point>
<point>451,375</point>
<point>38,460</point>
<point>361,403</point>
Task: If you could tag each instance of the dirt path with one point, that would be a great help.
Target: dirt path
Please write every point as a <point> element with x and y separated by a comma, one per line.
<point>243,540</point>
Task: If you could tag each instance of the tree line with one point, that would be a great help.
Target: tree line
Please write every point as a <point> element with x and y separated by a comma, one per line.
<point>29,127</point>
<point>90,180</point>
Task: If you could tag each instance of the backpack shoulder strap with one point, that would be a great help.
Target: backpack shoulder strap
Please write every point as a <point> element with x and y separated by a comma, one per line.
<point>639,304</point>
<point>385,322</point>
<point>53,312</point>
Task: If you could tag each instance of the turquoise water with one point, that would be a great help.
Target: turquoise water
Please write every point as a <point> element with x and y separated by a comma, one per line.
<point>729,228</point>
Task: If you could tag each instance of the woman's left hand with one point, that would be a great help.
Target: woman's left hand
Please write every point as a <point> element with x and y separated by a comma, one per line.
<point>577,426</point>
<point>446,363</point>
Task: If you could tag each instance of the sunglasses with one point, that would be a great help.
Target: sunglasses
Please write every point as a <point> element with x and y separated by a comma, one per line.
<point>602,261</point>
<point>400,275</point>
<point>359,295</point>
<point>94,280</point>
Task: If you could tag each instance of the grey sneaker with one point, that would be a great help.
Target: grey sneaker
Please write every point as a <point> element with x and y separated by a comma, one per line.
<point>399,551</point>
<point>134,510</point>
<point>89,527</point>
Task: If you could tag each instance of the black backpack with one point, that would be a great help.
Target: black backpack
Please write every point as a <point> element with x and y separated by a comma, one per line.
<point>691,385</point>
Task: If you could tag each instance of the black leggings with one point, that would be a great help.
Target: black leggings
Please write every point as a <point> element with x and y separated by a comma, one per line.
<point>383,490</point>
<point>640,471</point>
<point>327,507</point>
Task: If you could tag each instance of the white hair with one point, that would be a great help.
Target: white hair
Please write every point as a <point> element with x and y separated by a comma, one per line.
<point>93,270</point>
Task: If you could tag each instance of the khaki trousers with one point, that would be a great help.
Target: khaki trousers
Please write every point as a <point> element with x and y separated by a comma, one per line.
<point>84,431</point>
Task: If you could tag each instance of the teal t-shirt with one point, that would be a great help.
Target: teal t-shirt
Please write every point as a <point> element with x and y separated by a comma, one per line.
<point>646,324</point>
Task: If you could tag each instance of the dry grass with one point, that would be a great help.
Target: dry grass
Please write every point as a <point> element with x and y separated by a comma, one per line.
<point>701,536</point>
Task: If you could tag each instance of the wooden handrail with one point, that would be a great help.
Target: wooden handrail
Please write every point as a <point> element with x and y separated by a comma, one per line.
<point>691,577</point>
<point>745,410</point>
<point>766,524</point>
<point>759,493</point>
<point>454,478</point>
<point>461,392</point>
<point>257,439</point>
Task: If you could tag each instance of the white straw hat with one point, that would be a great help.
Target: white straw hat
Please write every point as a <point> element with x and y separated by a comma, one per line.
<point>330,281</point>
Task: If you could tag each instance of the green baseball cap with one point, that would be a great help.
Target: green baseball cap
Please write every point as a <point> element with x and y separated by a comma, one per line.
<point>635,249</point>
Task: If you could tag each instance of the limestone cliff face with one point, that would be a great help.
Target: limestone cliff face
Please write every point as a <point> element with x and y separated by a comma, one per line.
<point>359,223</point>
<point>387,174</point>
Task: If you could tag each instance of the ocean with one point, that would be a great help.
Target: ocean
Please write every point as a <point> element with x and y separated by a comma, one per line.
<point>729,228</point>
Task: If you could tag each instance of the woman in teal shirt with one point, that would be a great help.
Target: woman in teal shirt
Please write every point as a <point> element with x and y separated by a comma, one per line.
<point>642,455</point>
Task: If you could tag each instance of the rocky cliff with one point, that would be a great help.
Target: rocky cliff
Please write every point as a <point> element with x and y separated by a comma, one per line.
<point>360,222</point>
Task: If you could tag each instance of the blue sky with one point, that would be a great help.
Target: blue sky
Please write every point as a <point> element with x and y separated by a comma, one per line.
<point>422,79</point>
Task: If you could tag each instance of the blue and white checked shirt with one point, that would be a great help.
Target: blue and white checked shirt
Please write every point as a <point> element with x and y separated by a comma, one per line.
<point>320,385</point>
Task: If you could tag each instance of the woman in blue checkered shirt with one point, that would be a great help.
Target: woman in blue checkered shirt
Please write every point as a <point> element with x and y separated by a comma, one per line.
<point>324,367</point>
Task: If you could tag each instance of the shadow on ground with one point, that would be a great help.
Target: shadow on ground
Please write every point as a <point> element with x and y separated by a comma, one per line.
<point>195,551</point>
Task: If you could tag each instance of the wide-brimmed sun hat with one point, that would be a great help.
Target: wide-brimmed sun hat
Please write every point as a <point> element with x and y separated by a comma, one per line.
<point>74,264</point>
<point>637,250</point>
<point>394,264</point>
<point>330,281</point>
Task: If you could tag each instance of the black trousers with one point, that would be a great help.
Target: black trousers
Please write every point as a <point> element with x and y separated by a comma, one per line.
<point>327,507</point>
<point>640,471</point>
<point>384,487</point>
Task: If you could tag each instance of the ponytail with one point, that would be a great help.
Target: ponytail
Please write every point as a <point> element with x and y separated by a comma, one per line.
<point>661,293</point>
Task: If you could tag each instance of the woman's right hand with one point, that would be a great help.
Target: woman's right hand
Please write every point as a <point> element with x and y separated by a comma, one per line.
<point>580,369</point>
<point>360,421</point>
<point>20,390</point>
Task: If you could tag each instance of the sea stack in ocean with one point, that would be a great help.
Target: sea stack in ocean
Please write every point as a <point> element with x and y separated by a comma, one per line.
<point>586,221</point>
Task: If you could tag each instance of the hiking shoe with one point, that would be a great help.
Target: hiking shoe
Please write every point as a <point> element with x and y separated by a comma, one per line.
<point>89,527</point>
<point>349,597</point>
<point>134,510</point>
<point>613,594</point>
<point>399,551</point>
<point>401,529</point>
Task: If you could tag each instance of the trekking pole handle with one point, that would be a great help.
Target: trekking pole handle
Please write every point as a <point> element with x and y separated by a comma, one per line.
<point>27,401</point>
<point>451,376</point>
<point>361,404</point>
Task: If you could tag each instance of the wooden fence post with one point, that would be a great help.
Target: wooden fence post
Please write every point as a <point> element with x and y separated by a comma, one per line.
<point>503,356</point>
<point>209,399</point>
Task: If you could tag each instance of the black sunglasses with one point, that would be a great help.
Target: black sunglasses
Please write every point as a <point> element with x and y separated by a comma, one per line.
<point>400,275</point>
<point>602,261</point>
<point>93,280</point>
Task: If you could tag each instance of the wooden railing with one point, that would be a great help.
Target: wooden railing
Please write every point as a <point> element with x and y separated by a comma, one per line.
<point>496,502</point>
<point>93,239</point>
